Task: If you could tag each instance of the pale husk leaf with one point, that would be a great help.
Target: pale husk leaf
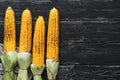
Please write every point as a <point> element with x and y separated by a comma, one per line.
<point>24,61</point>
<point>37,71</point>
<point>9,61</point>
<point>52,68</point>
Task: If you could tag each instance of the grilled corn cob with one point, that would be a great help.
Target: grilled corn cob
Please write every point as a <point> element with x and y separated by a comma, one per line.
<point>9,58</point>
<point>39,43</point>
<point>37,65</point>
<point>24,58</point>
<point>9,31</point>
<point>53,35</point>
<point>52,61</point>
<point>26,32</point>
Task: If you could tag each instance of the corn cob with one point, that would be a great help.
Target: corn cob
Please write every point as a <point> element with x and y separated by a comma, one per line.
<point>9,59</point>
<point>53,35</point>
<point>39,43</point>
<point>24,59</point>
<point>9,31</point>
<point>26,32</point>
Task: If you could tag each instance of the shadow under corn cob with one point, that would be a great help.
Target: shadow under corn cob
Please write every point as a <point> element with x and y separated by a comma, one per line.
<point>38,51</point>
<point>24,55</point>
<point>9,58</point>
<point>52,62</point>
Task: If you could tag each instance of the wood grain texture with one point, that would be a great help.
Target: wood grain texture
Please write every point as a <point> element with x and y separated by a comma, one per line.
<point>85,72</point>
<point>69,9</point>
<point>89,35</point>
<point>92,42</point>
<point>83,31</point>
<point>89,72</point>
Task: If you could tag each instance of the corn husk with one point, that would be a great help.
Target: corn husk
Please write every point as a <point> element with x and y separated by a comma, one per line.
<point>52,69</point>
<point>24,61</point>
<point>37,71</point>
<point>9,61</point>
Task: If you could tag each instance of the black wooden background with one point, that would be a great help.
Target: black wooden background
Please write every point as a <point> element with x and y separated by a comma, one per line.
<point>89,35</point>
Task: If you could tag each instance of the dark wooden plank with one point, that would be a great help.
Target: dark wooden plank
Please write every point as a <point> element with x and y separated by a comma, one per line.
<point>84,72</point>
<point>69,9</point>
<point>87,42</point>
<point>90,42</point>
<point>89,35</point>
<point>89,53</point>
<point>80,31</point>
<point>88,72</point>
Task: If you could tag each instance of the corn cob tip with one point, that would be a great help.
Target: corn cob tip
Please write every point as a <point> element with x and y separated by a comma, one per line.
<point>40,17</point>
<point>26,10</point>
<point>54,9</point>
<point>9,7</point>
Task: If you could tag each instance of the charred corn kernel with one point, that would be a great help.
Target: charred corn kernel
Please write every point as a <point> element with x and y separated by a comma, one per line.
<point>26,31</point>
<point>39,43</point>
<point>53,35</point>
<point>9,31</point>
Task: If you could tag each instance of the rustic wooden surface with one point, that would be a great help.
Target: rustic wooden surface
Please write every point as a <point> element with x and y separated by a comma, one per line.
<point>89,35</point>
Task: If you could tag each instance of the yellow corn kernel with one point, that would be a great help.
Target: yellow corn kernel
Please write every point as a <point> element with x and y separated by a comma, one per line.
<point>53,35</point>
<point>39,43</point>
<point>26,31</point>
<point>9,31</point>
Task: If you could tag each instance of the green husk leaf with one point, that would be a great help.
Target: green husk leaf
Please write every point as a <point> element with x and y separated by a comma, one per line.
<point>37,78</point>
<point>22,75</point>
<point>37,71</point>
<point>24,61</point>
<point>52,68</point>
<point>9,61</point>
<point>8,75</point>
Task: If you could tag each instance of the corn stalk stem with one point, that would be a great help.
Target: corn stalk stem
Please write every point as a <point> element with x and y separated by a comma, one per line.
<point>51,79</point>
<point>37,71</point>
<point>23,75</point>
<point>37,78</point>
<point>52,69</point>
<point>8,75</point>
<point>9,61</point>
<point>24,61</point>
